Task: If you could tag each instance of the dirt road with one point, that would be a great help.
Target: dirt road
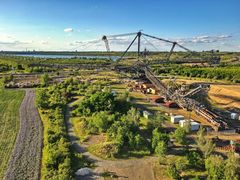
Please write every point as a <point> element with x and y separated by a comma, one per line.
<point>132,169</point>
<point>25,161</point>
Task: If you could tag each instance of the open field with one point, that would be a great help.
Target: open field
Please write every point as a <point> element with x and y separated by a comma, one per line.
<point>226,96</point>
<point>26,158</point>
<point>9,124</point>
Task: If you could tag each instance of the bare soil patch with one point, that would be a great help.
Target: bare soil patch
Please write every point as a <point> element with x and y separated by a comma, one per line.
<point>226,96</point>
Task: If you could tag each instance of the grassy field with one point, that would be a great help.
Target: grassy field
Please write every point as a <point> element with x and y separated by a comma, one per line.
<point>10,101</point>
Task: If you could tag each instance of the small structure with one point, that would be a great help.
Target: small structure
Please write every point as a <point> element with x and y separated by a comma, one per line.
<point>176,118</point>
<point>147,114</point>
<point>234,116</point>
<point>152,90</point>
<point>146,86</point>
<point>171,104</point>
<point>193,124</point>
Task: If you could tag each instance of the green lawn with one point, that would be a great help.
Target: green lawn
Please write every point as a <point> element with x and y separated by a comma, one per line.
<point>10,101</point>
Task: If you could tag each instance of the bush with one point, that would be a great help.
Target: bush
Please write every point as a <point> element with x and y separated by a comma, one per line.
<point>158,136</point>
<point>215,167</point>
<point>161,148</point>
<point>56,162</point>
<point>180,135</point>
<point>100,101</point>
<point>182,163</point>
<point>101,121</point>
<point>173,172</point>
<point>195,160</point>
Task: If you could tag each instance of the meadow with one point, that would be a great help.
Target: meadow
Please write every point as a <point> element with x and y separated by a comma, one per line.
<point>10,101</point>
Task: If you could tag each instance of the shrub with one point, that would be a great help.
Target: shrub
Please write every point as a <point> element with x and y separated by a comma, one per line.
<point>180,135</point>
<point>173,172</point>
<point>161,148</point>
<point>182,163</point>
<point>195,160</point>
<point>214,165</point>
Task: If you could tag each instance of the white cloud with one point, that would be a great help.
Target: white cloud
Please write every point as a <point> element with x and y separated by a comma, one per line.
<point>68,30</point>
<point>224,36</point>
<point>14,43</point>
<point>203,39</point>
<point>44,42</point>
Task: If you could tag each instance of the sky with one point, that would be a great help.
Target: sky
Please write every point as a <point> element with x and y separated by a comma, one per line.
<point>76,24</point>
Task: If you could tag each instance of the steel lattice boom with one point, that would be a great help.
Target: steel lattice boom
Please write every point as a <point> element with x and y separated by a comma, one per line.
<point>183,100</point>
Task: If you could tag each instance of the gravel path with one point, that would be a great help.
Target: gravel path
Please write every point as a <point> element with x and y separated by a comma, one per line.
<point>25,161</point>
<point>132,169</point>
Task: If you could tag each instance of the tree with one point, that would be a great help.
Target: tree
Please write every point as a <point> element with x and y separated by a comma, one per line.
<point>195,160</point>
<point>158,136</point>
<point>206,146</point>
<point>45,80</point>
<point>180,134</point>
<point>56,98</point>
<point>133,115</point>
<point>161,148</point>
<point>173,172</point>
<point>100,101</point>
<point>118,133</point>
<point>42,98</point>
<point>156,122</point>
<point>102,120</point>
<point>232,167</point>
<point>214,165</point>
<point>138,141</point>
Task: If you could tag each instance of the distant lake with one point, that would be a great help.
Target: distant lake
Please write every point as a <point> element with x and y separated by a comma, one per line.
<point>62,56</point>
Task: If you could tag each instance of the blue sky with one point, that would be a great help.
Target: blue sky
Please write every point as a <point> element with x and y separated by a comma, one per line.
<point>70,24</point>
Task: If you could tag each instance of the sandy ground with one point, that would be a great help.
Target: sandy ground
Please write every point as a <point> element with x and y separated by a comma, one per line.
<point>132,169</point>
<point>226,96</point>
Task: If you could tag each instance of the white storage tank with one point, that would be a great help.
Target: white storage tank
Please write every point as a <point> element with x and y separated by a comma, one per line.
<point>194,125</point>
<point>234,116</point>
<point>175,119</point>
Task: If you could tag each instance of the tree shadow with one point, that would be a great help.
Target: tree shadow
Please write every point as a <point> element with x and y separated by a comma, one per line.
<point>187,177</point>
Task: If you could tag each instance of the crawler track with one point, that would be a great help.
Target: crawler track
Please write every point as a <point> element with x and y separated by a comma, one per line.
<point>25,161</point>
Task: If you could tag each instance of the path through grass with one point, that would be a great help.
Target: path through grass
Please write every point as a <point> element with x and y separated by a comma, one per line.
<point>10,101</point>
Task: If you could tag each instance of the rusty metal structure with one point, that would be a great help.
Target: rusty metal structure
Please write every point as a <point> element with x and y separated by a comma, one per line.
<point>183,100</point>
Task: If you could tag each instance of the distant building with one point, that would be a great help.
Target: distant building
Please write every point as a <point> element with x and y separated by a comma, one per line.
<point>176,118</point>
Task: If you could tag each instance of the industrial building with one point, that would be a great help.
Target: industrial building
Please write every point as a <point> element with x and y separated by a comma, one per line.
<point>176,118</point>
<point>194,126</point>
